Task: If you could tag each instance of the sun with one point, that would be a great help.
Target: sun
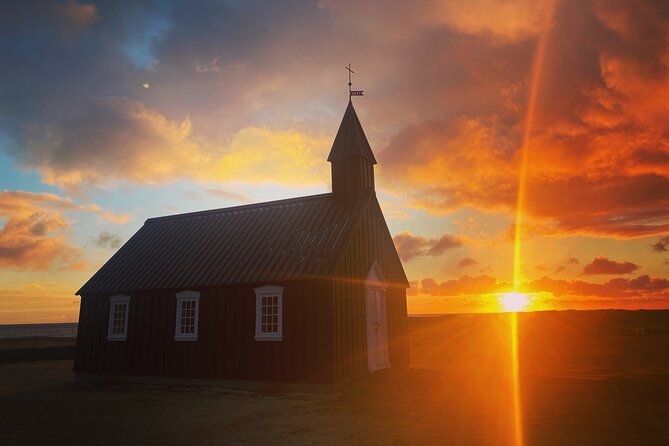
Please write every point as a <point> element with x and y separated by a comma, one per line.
<point>514,301</point>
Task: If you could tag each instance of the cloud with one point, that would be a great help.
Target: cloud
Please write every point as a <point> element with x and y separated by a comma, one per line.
<point>119,139</point>
<point>569,262</point>
<point>619,287</point>
<point>113,138</point>
<point>73,18</point>
<point>409,246</point>
<point>224,104</point>
<point>444,243</point>
<point>35,243</point>
<point>467,261</point>
<point>23,203</point>
<point>482,284</point>
<point>661,245</point>
<point>521,17</point>
<point>90,122</point>
<point>107,240</point>
<point>612,120</point>
<point>34,235</point>
<point>395,211</point>
<point>230,195</point>
<point>219,192</point>
<point>602,265</point>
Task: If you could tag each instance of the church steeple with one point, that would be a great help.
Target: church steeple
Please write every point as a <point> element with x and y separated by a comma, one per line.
<point>352,159</point>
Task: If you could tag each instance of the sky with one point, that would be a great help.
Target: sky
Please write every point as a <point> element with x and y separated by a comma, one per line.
<point>112,112</point>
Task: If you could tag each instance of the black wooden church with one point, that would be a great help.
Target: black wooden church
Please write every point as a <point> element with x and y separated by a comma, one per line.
<point>306,289</point>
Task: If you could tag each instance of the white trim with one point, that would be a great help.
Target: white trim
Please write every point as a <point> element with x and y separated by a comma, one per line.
<point>263,292</point>
<point>375,278</point>
<point>182,297</point>
<point>113,301</point>
<point>376,319</point>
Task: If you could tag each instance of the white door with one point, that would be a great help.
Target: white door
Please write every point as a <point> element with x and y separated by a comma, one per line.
<point>377,332</point>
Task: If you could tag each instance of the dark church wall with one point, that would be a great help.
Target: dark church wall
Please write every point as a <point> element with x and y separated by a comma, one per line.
<point>225,349</point>
<point>371,242</point>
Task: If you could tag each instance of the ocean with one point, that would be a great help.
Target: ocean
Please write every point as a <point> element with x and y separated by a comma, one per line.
<point>39,330</point>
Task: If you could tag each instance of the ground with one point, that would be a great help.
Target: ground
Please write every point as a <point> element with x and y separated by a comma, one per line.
<point>586,378</point>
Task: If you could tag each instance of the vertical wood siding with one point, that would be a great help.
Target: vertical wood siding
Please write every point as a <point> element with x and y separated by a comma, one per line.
<point>372,242</point>
<point>324,332</point>
<point>225,349</point>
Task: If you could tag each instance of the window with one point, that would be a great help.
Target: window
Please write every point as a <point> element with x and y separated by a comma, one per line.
<point>269,313</point>
<point>188,313</point>
<point>118,318</point>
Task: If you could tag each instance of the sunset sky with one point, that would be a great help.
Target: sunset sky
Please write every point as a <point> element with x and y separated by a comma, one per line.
<point>113,112</point>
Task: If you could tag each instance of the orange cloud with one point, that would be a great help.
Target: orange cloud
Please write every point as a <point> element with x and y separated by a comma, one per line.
<point>34,243</point>
<point>597,154</point>
<point>409,246</point>
<point>119,139</point>
<point>509,20</point>
<point>641,286</point>
<point>466,262</point>
<point>602,265</point>
<point>34,235</point>
<point>24,203</point>
<point>482,284</point>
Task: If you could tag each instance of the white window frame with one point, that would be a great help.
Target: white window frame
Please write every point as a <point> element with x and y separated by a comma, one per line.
<point>182,297</point>
<point>267,291</point>
<point>113,301</point>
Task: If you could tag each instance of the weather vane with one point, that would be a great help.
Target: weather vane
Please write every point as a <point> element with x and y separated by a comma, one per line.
<point>352,92</point>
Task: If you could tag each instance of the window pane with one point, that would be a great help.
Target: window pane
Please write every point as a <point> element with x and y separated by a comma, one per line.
<point>119,316</point>
<point>187,316</point>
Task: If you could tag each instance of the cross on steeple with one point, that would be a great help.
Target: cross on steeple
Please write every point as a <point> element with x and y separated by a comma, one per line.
<point>352,92</point>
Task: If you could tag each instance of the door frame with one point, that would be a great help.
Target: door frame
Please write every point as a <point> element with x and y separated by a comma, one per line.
<point>376,283</point>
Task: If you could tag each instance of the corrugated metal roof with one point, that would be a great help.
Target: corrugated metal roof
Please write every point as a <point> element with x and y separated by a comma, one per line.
<point>351,140</point>
<point>273,241</point>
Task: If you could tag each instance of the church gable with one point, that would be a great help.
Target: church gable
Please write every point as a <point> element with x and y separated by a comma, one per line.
<point>372,242</point>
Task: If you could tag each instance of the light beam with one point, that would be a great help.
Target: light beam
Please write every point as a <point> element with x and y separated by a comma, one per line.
<point>537,66</point>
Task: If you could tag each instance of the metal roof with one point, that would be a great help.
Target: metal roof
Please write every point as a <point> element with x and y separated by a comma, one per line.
<point>273,241</point>
<point>351,140</point>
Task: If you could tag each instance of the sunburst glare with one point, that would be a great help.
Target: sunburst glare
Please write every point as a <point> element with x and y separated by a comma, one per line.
<point>514,301</point>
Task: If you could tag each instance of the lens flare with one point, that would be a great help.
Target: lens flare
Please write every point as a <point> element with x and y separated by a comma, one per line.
<point>514,301</point>
<point>515,373</point>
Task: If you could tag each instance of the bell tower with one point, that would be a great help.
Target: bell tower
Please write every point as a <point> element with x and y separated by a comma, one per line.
<point>351,158</point>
